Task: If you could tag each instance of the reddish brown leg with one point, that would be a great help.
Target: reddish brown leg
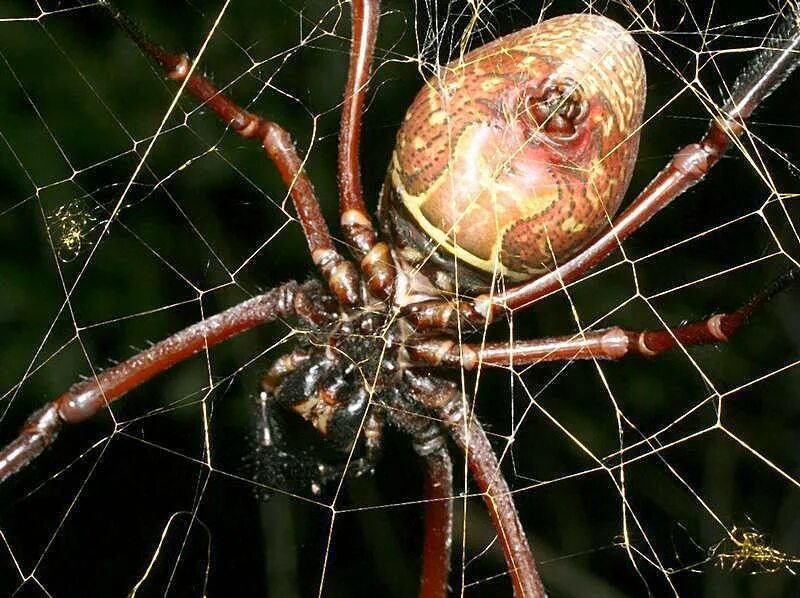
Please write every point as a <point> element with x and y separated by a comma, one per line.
<point>611,343</point>
<point>356,224</point>
<point>357,227</point>
<point>87,398</point>
<point>444,399</point>
<point>340,274</point>
<point>437,547</point>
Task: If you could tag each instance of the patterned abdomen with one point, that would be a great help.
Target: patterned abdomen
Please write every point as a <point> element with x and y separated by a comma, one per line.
<point>520,152</point>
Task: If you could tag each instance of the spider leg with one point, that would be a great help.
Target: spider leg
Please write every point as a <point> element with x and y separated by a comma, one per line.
<point>340,274</point>
<point>430,444</point>
<point>357,226</point>
<point>373,433</point>
<point>438,543</point>
<point>612,343</point>
<point>85,399</point>
<point>447,403</point>
<point>268,429</point>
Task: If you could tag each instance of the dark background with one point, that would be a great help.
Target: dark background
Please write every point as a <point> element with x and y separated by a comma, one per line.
<point>92,515</point>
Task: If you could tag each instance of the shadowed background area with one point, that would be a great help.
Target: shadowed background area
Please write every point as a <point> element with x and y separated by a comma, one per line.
<point>206,224</point>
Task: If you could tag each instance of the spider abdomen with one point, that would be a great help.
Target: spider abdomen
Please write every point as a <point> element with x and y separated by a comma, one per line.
<point>520,152</point>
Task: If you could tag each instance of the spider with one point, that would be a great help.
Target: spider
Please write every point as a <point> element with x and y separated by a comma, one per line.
<point>380,327</point>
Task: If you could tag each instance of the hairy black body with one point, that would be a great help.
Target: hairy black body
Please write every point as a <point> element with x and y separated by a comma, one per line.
<point>348,374</point>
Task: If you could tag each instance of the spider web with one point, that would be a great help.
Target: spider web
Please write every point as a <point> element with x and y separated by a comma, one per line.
<point>123,219</point>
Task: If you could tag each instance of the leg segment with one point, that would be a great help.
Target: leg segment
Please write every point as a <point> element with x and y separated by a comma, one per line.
<point>611,343</point>
<point>446,402</point>
<point>340,274</point>
<point>359,232</point>
<point>438,544</point>
<point>430,443</point>
<point>87,398</point>
<point>356,224</point>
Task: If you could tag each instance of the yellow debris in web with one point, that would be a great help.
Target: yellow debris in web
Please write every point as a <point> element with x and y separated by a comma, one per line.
<point>70,224</point>
<point>747,548</point>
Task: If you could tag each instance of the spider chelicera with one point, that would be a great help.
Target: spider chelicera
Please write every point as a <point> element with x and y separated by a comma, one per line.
<point>508,169</point>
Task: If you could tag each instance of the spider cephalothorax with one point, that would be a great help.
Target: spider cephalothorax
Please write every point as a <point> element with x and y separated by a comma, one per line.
<point>511,164</point>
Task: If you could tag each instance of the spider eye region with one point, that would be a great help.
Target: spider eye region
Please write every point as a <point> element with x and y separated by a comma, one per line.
<point>519,153</point>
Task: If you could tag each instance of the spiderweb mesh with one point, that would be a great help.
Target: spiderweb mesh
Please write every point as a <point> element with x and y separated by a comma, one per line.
<point>122,221</point>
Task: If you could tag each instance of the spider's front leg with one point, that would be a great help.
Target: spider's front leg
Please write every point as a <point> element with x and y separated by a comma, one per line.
<point>307,302</point>
<point>340,274</point>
